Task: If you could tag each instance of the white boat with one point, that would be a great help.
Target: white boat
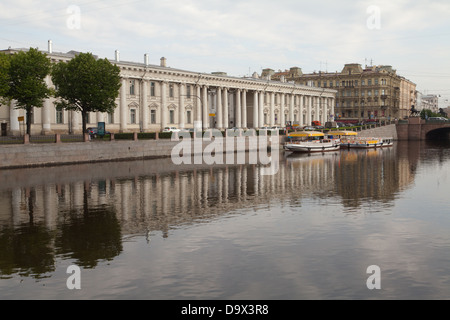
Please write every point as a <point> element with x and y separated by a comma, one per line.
<point>349,139</point>
<point>311,141</point>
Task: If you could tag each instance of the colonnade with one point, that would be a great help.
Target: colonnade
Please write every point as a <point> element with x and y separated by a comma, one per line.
<point>223,107</point>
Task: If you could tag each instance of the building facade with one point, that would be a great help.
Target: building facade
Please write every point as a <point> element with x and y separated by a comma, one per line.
<point>375,92</point>
<point>153,97</point>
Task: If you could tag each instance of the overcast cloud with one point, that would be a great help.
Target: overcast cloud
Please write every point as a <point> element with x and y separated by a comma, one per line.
<point>241,37</point>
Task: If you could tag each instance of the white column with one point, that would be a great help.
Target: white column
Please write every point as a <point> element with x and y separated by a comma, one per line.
<point>46,128</point>
<point>291,110</point>
<point>163,105</point>
<point>308,111</point>
<point>219,110</point>
<point>123,105</point>
<point>198,112</point>
<point>144,106</point>
<point>301,107</point>
<point>324,110</point>
<point>181,105</point>
<point>333,103</point>
<point>225,108</point>
<point>261,109</point>
<point>14,125</point>
<point>282,118</point>
<point>238,110</point>
<point>100,117</point>
<point>317,105</point>
<point>272,109</point>
<point>255,110</point>
<point>205,108</point>
<point>74,119</point>
<point>244,109</point>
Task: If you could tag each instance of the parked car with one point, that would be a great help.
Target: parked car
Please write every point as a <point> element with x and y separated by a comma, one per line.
<point>309,128</point>
<point>171,129</point>
<point>93,131</point>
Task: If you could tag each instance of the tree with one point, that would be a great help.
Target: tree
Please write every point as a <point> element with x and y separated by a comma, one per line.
<point>27,86</point>
<point>86,84</point>
<point>5,62</point>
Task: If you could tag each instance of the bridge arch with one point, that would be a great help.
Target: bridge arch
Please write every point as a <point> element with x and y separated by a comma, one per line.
<point>440,133</point>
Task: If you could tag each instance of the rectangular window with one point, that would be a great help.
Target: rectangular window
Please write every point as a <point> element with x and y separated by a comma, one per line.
<point>133,116</point>
<point>171,117</point>
<point>376,82</point>
<point>369,82</point>
<point>171,91</point>
<point>111,117</point>
<point>189,116</point>
<point>59,116</point>
<point>188,91</point>
<point>153,116</point>
<point>132,85</point>
<point>152,89</point>
<point>363,82</point>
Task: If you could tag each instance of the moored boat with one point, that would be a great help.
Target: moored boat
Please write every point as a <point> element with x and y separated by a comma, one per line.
<point>349,139</point>
<point>311,141</point>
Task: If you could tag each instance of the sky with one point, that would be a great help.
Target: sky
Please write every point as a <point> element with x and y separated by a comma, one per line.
<point>245,36</point>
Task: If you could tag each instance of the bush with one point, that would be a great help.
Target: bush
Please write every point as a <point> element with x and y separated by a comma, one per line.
<point>123,136</point>
<point>146,135</point>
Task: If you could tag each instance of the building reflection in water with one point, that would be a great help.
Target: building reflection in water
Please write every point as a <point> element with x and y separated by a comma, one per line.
<point>83,212</point>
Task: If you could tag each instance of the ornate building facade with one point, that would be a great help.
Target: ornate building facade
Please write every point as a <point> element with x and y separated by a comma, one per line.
<point>375,92</point>
<point>153,97</point>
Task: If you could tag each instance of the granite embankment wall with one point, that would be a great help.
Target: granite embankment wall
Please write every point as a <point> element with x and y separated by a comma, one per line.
<point>388,131</point>
<point>52,154</point>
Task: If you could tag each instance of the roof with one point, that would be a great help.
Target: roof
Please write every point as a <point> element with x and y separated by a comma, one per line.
<point>306,134</point>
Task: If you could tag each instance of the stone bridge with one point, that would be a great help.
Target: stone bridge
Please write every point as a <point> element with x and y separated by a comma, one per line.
<point>418,129</point>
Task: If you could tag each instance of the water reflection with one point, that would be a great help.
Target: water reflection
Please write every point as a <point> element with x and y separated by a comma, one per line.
<point>83,212</point>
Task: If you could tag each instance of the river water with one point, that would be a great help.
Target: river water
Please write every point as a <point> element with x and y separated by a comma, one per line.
<point>154,230</point>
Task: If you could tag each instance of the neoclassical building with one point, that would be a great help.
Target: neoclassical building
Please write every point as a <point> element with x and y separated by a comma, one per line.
<point>153,97</point>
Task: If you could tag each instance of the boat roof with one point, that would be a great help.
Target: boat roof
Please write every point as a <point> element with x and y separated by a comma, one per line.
<point>343,133</point>
<point>306,134</point>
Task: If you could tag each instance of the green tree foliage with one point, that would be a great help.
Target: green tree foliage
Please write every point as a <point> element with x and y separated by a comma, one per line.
<point>86,84</point>
<point>27,86</point>
<point>427,113</point>
<point>4,74</point>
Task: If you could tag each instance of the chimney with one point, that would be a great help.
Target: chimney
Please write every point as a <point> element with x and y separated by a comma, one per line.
<point>50,49</point>
<point>146,59</point>
<point>163,62</point>
<point>117,55</point>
